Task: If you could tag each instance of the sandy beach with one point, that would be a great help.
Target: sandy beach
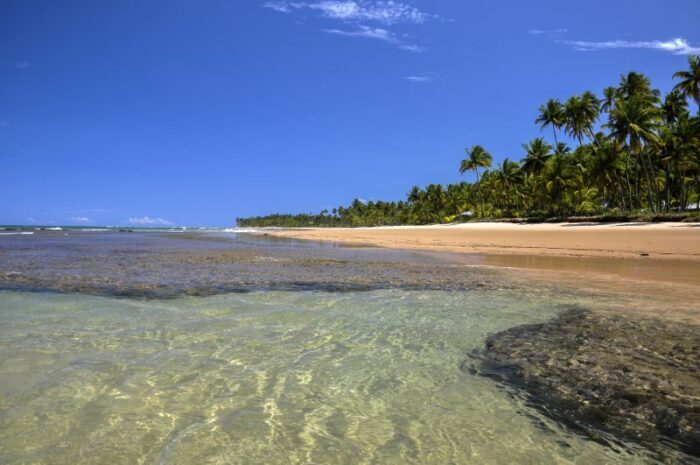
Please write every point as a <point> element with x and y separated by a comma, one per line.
<point>668,252</point>
<point>678,241</point>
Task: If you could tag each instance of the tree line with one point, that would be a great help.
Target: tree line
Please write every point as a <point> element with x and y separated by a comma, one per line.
<point>634,152</point>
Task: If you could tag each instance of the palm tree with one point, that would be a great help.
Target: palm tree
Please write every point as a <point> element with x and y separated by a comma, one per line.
<point>690,80</point>
<point>557,177</point>
<point>581,113</point>
<point>615,167</point>
<point>636,84</point>
<point>610,95</point>
<point>635,122</point>
<point>674,106</point>
<point>435,200</point>
<point>415,195</point>
<point>510,176</point>
<point>551,114</point>
<point>686,133</point>
<point>562,149</point>
<point>590,108</point>
<point>457,198</point>
<point>478,157</point>
<point>604,168</point>
<point>537,152</point>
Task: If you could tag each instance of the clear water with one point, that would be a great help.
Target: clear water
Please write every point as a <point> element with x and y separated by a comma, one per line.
<point>272,377</point>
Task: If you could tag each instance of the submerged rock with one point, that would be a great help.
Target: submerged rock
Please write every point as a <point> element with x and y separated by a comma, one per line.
<point>159,265</point>
<point>638,378</point>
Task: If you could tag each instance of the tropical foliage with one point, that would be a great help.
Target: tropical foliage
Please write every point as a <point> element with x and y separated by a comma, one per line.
<point>629,151</point>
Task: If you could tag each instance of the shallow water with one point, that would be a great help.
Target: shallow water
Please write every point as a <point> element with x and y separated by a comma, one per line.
<point>174,264</point>
<point>132,348</point>
<point>271,377</point>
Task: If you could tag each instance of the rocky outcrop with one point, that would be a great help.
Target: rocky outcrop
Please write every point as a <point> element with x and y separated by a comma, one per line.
<point>638,378</point>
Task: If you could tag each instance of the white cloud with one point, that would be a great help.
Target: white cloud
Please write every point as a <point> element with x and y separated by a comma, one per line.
<point>148,221</point>
<point>367,32</point>
<point>386,12</point>
<point>23,65</point>
<point>547,31</point>
<point>376,33</point>
<point>677,46</point>
<point>278,6</point>
<point>418,78</point>
<point>80,219</point>
<point>412,48</point>
<point>352,12</point>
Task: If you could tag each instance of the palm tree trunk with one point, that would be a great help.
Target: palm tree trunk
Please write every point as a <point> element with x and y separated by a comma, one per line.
<point>668,188</point>
<point>478,189</point>
<point>636,184</point>
<point>649,187</point>
<point>657,193</point>
<point>622,195</point>
<point>683,190</point>
<point>629,184</point>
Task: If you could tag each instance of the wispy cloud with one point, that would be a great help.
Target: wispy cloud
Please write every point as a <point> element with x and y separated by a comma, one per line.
<point>351,13</point>
<point>547,31</point>
<point>367,32</point>
<point>80,219</point>
<point>418,78</point>
<point>386,12</point>
<point>677,46</point>
<point>23,65</point>
<point>412,48</point>
<point>377,33</point>
<point>148,221</point>
<point>3,124</point>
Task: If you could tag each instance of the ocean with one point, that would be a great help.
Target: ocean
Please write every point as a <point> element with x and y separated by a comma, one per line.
<point>222,348</point>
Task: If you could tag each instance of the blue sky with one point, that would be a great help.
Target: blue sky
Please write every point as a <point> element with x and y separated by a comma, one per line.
<point>194,112</point>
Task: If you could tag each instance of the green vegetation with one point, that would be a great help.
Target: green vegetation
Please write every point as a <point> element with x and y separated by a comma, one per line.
<point>635,153</point>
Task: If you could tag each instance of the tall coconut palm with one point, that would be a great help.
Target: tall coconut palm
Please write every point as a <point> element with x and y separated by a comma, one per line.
<point>562,149</point>
<point>590,107</point>
<point>435,200</point>
<point>537,152</point>
<point>610,95</point>
<point>636,84</point>
<point>477,157</point>
<point>557,177</point>
<point>551,114</point>
<point>635,121</point>
<point>415,195</point>
<point>686,133</point>
<point>674,106</point>
<point>581,113</point>
<point>690,80</point>
<point>604,169</point>
<point>509,176</point>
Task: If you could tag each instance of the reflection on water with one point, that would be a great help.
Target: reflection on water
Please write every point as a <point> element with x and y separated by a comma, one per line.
<point>271,377</point>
